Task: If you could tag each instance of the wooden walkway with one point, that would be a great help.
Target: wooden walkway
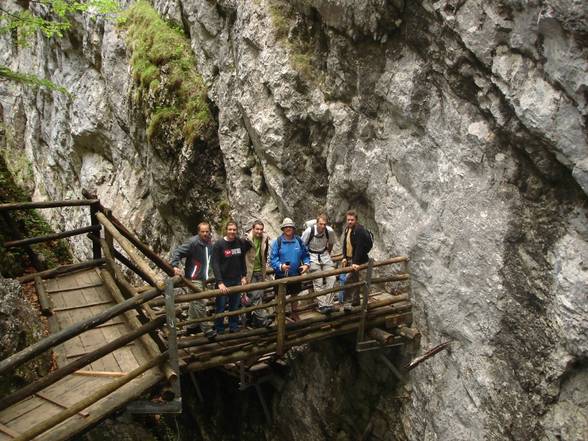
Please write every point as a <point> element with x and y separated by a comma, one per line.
<point>104,352</point>
<point>76,297</point>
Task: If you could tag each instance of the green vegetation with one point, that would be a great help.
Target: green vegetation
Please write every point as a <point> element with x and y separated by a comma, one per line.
<point>14,261</point>
<point>168,85</point>
<point>25,23</point>
<point>293,30</point>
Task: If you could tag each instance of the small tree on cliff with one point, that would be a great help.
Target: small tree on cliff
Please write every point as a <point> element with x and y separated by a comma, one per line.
<point>26,18</point>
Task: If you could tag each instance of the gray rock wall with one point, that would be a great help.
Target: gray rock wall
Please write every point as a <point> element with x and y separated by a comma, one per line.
<point>457,129</point>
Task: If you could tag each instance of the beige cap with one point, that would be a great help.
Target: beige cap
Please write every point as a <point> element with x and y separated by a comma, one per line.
<point>287,222</point>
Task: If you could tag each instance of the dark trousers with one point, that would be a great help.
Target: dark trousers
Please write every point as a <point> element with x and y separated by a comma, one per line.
<point>233,300</point>
<point>353,294</point>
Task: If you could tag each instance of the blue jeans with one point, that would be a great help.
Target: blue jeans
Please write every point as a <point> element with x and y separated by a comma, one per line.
<point>233,300</point>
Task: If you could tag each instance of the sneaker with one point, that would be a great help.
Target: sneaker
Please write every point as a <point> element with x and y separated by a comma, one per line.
<point>210,334</point>
<point>233,330</point>
<point>329,309</point>
<point>323,309</point>
<point>347,307</point>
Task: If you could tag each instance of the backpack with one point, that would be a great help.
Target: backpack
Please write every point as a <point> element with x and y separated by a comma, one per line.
<point>370,243</point>
<point>279,242</point>
<point>311,225</point>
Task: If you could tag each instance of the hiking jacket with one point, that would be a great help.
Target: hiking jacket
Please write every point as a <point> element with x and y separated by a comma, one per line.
<point>319,245</point>
<point>250,255</point>
<point>293,251</point>
<point>228,260</point>
<point>197,254</point>
<point>360,240</point>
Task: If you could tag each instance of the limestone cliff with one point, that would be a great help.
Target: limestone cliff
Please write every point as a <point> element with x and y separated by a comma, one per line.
<point>456,128</point>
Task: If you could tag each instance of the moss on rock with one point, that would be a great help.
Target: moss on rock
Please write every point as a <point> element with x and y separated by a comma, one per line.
<point>168,85</point>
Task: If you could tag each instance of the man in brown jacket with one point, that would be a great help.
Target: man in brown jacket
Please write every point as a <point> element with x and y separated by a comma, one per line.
<point>256,260</point>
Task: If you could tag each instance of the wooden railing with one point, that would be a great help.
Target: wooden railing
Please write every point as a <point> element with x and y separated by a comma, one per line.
<point>105,230</point>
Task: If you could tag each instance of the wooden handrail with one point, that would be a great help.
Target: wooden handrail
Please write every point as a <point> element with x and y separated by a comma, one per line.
<point>76,329</point>
<point>62,269</point>
<point>50,237</point>
<point>155,258</point>
<point>85,360</point>
<point>103,391</point>
<point>395,278</point>
<point>47,204</point>
<point>271,283</point>
<point>126,245</point>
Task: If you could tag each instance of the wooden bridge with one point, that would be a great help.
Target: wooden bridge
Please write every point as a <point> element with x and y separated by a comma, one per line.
<point>115,341</point>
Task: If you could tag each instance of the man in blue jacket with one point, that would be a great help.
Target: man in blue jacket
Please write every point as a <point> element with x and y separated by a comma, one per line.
<point>197,251</point>
<point>289,257</point>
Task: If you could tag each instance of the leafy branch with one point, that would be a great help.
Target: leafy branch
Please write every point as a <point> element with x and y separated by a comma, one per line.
<point>51,19</point>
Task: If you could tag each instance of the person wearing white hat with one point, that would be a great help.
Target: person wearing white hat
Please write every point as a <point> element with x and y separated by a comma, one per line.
<point>289,257</point>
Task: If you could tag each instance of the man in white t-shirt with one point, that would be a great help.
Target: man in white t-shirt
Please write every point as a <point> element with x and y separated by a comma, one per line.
<point>320,239</point>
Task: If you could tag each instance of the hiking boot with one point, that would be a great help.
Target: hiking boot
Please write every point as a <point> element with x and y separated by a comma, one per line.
<point>210,334</point>
<point>192,330</point>
<point>347,307</point>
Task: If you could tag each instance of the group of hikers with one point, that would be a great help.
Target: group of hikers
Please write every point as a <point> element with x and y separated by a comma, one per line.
<point>234,260</point>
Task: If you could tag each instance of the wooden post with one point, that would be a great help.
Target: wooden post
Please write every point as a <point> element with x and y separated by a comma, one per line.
<point>172,342</point>
<point>44,300</point>
<point>281,318</point>
<point>364,301</point>
<point>96,251</point>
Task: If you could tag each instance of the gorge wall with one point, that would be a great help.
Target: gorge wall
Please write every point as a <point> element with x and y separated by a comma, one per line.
<point>456,128</point>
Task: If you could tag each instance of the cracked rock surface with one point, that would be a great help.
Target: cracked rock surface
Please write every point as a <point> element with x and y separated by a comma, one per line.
<point>456,128</point>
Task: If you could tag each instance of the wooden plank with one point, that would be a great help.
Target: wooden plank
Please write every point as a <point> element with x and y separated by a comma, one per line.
<point>22,407</point>
<point>77,288</point>
<point>79,306</point>
<point>27,420</point>
<point>97,395</point>
<point>58,402</point>
<point>103,407</point>
<point>8,431</point>
<point>100,373</point>
<point>62,269</point>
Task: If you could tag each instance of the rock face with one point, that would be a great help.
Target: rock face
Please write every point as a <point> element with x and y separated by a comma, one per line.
<point>19,328</point>
<point>457,129</point>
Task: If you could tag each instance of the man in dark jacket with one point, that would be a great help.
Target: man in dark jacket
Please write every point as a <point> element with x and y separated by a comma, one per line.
<point>230,269</point>
<point>197,251</point>
<point>356,246</point>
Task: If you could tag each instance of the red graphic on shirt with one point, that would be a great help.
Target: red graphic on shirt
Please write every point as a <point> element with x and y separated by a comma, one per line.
<point>196,270</point>
<point>233,252</point>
